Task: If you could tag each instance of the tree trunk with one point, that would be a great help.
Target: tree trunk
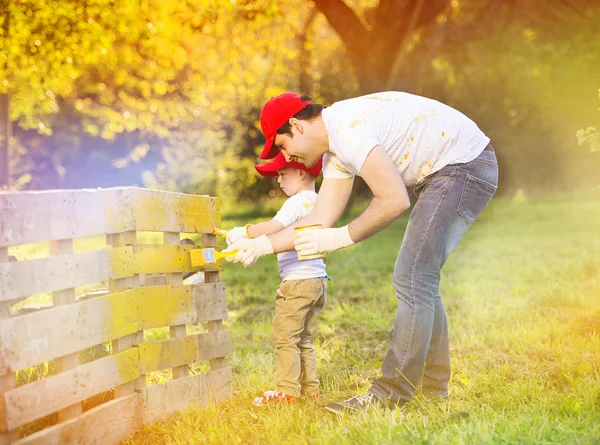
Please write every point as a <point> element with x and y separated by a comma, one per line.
<point>5,130</point>
<point>374,51</point>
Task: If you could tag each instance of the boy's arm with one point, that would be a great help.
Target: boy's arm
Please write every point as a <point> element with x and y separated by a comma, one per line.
<point>264,228</point>
<point>331,201</point>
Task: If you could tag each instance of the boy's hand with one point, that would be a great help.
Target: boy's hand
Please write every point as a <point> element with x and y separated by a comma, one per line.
<point>236,234</point>
<point>250,250</point>
<point>311,242</point>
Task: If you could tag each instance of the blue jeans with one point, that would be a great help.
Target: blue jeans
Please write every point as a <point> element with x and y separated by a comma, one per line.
<point>448,201</point>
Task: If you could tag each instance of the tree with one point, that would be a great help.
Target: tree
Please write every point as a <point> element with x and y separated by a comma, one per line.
<point>393,44</point>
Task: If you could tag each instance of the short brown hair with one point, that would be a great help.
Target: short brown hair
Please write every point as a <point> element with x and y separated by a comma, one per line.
<point>308,113</point>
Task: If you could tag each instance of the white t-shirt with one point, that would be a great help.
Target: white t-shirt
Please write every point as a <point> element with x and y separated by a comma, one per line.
<point>420,135</point>
<point>296,207</point>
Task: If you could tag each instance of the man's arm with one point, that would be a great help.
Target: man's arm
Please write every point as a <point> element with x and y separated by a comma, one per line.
<point>264,228</point>
<point>331,201</point>
<point>390,198</point>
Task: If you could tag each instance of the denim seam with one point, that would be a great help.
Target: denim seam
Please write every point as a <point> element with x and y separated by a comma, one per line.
<point>419,250</point>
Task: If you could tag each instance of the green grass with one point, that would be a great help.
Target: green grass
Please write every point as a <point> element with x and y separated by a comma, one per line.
<point>522,292</point>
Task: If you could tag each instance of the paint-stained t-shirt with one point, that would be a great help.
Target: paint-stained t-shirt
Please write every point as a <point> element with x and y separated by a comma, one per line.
<point>296,207</point>
<point>420,135</point>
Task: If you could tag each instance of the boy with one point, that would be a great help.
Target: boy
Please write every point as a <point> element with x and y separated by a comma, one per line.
<point>301,295</point>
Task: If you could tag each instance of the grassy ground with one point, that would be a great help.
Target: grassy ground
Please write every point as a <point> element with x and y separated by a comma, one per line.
<point>522,292</point>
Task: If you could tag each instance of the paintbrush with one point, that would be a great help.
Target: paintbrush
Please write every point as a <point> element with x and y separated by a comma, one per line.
<point>220,232</point>
<point>203,257</point>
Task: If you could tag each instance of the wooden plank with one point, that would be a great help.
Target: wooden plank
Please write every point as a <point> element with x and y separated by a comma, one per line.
<point>61,298</point>
<point>106,424</point>
<point>161,401</point>
<point>165,258</point>
<point>34,338</point>
<point>21,279</point>
<point>209,240</point>
<point>161,211</point>
<point>29,217</point>
<point>35,400</point>
<point>158,355</point>
<point>210,301</point>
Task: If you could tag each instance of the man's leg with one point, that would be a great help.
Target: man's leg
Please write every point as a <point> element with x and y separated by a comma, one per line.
<point>448,202</point>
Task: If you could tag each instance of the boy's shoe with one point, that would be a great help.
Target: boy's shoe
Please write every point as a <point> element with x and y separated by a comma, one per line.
<point>273,397</point>
<point>366,400</point>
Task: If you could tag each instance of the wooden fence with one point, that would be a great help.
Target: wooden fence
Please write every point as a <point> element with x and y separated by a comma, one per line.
<point>81,397</point>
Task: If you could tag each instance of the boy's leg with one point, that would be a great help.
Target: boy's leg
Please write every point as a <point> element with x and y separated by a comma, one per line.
<point>309,383</point>
<point>295,298</point>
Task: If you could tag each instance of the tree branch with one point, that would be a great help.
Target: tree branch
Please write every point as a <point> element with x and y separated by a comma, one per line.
<point>345,22</point>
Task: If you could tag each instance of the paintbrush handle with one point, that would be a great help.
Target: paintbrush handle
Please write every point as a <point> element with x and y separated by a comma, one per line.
<point>220,232</point>
<point>221,255</point>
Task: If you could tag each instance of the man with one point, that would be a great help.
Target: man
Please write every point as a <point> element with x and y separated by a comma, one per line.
<point>392,140</point>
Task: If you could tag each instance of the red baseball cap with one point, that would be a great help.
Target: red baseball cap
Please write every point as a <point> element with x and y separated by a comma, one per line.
<point>269,169</point>
<point>276,112</point>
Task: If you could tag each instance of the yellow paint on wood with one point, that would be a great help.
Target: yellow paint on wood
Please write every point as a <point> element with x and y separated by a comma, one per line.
<point>128,365</point>
<point>118,213</point>
<point>165,306</point>
<point>121,262</point>
<point>123,317</point>
<point>174,212</point>
<point>155,356</point>
<point>179,351</point>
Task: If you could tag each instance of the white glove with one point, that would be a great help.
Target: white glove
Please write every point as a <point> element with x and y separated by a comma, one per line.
<point>249,250</point>
<point>236,234</point>
<point>311,242</point>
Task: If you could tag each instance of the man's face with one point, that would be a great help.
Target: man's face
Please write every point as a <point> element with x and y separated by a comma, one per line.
<point>297,148</point>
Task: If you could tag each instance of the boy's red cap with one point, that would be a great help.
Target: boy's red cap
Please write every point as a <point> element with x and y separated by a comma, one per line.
<point>269,169</point>
<point>276,112</point>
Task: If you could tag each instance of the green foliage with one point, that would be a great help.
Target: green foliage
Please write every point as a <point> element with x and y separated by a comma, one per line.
<point>590,136</point>
<point>167,93</point>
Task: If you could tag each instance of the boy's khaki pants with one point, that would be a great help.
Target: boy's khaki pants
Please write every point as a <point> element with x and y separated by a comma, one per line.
<point>298,304</point>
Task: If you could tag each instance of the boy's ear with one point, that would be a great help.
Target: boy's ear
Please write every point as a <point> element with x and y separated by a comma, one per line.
<point>302,174</point>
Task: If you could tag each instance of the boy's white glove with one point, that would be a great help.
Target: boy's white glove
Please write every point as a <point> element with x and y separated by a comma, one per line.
<point>311,242</point>
<point>249,250</point>
<point>236,234</point>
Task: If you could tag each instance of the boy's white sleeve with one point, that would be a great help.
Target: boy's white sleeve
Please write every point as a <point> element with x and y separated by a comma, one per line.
<point>290,211</point>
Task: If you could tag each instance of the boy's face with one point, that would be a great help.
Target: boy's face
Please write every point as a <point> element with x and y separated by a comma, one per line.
<point>290,180</point>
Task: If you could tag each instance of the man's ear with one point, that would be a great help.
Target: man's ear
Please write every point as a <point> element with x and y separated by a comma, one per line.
<point>297,124</point>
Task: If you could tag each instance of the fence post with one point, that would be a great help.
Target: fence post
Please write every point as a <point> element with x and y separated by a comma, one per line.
<point>174,279</point>
<point>7,381</point>
<point>210,240</point>
<point>118,285</point>
<point>59,298</point>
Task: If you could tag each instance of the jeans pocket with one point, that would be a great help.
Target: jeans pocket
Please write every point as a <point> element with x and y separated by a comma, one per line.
<point>476,194</point>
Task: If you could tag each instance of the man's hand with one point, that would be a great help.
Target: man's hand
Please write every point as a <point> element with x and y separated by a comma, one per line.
<point>236,234</point>
<point>249,250</point>
<point>311,242</point>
